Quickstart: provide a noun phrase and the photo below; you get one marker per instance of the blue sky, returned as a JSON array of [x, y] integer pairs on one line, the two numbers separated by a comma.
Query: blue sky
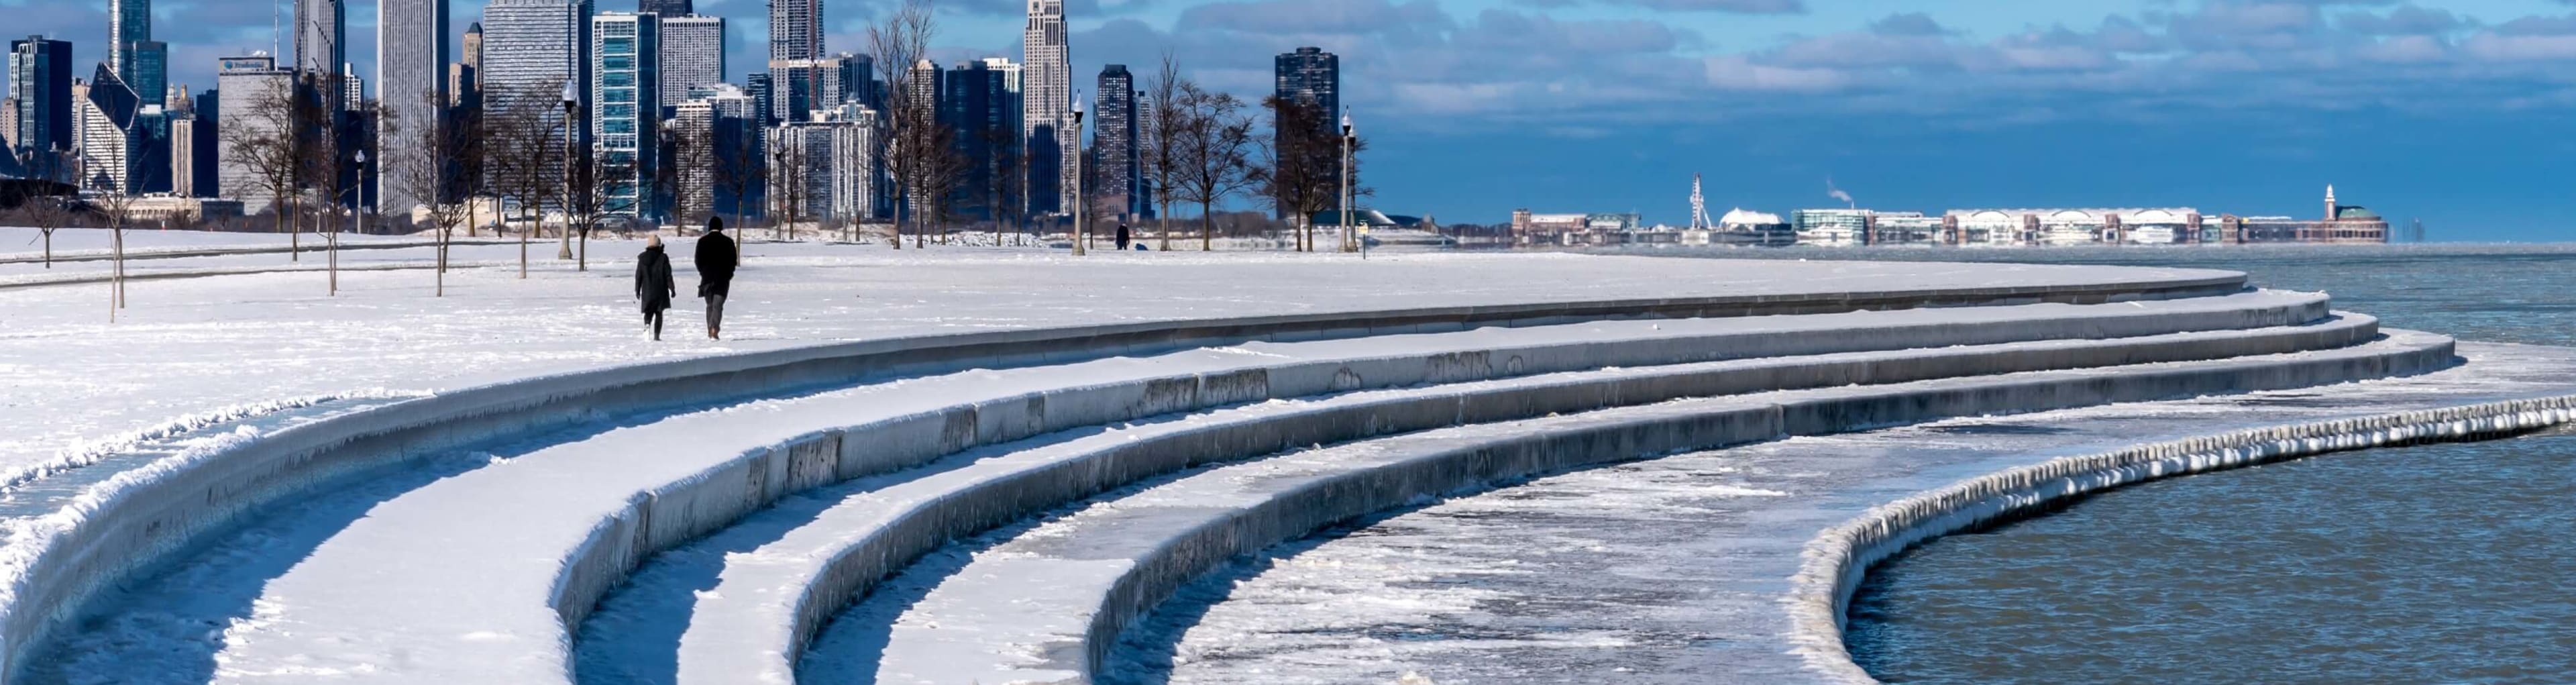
[[2453, 112]]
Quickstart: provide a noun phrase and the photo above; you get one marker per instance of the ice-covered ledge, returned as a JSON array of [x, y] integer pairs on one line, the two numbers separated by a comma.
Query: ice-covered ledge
[[1837, 560]]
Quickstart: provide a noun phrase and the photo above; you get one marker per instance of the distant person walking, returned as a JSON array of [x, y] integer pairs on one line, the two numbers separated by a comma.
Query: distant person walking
[[1122, 236], [653, 283], [716, 261]]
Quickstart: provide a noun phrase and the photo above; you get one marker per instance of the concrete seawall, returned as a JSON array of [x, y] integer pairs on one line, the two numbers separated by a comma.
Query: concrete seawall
[[118, 523], [1147, 551], [1838, 560]]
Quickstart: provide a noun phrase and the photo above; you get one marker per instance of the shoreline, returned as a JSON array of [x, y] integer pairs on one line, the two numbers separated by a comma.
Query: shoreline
[[1838, 559]]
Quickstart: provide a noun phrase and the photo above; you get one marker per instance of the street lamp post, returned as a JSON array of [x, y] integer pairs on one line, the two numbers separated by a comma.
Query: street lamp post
[[572, 135], [1081, 205], [1350, 236]]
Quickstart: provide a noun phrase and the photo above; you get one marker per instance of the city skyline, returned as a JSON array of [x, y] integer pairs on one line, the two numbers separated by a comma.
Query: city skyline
[[1787, 99]]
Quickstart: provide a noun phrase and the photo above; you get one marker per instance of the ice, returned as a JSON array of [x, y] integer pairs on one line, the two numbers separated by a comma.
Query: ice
[[1455, 590]]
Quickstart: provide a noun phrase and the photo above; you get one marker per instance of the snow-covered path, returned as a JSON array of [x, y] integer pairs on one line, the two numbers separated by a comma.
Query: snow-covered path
[[1669, 570]]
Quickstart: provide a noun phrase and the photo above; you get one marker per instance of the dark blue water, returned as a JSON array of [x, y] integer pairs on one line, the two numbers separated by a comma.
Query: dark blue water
[[2434, 564]]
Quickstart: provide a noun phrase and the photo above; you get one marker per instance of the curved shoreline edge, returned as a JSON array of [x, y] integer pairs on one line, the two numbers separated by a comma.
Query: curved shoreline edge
[[91, 528], [1836, 561]]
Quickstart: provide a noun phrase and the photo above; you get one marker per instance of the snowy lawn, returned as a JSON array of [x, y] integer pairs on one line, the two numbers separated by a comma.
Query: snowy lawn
[[196, 345]]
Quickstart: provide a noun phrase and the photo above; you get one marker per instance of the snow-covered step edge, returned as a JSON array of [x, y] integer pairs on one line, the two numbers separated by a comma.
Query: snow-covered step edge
[[737, 633], [684, 510], [1060, 620], [129, 519], [1837, 560]]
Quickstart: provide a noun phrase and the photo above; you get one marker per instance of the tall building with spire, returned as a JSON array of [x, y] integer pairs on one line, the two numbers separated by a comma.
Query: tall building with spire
[[411, 80], [1054, 147]]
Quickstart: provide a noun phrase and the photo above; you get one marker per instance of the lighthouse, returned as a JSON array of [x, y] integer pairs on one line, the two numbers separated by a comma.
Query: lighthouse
[[2330, 202]]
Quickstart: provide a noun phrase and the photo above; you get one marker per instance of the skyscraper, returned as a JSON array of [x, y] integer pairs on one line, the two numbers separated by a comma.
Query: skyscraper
[[859, 80], [411, 81], [981, 102], [1313, 75], [246, 84], [763, 89], [1054, 148], [626, 112], [530, 52], [104, 112], [804, 86], [471, 52], [795, 41], [693, 53], [40, 79], [129, 24], [1113, 141], [321, 36], [150, 75], [666, 8]]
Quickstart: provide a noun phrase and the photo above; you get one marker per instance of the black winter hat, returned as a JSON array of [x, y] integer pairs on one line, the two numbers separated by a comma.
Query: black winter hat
[[715, 223]]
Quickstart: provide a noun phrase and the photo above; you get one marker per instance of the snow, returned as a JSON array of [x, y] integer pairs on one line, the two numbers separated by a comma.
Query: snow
[[1674, 569], [233, 337], [787, 568], [1028, 610], [478, 548], [245, 339]]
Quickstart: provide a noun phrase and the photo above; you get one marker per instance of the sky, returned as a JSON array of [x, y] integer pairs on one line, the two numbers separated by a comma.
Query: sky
[[2453, 113]]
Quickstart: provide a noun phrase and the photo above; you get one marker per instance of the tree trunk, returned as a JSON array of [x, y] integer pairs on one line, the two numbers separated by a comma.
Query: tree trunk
[[523, 246], [49, 248], [1207, 227]]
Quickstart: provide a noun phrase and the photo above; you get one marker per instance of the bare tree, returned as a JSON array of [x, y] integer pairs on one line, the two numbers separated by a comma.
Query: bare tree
[[437, 176], [118, 206], [693, 162], [742, 171], [262, 138], [1303, 175], [1215, 147], [1162, 166], [47, 213], [910, 121], [1007, 170], [525, 132], [470, 137], [792, 174], [321, 163]]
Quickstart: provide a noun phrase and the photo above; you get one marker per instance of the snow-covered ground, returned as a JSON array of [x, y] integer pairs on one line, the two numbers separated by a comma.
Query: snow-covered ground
[[194, 346], [1669, 570]]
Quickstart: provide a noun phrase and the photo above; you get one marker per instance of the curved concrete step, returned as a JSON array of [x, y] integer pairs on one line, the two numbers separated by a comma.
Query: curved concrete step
[[612, 497], [777, 591], [1049, 605], [101, 527]]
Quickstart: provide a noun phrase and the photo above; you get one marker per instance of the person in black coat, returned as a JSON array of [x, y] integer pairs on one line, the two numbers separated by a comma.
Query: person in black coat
[[653, 283], [1122, 236], [716, 261]]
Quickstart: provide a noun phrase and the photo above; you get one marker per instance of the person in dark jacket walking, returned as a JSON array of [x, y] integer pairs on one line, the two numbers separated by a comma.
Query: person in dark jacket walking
[[1122, 236], [716, 261], [653, 283]]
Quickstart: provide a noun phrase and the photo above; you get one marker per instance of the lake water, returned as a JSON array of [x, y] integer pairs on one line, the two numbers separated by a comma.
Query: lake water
[[2433, 564]]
